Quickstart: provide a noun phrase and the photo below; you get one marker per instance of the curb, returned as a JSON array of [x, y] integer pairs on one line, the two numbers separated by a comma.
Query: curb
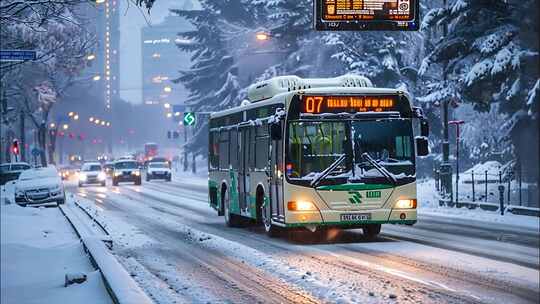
[[119, 284]]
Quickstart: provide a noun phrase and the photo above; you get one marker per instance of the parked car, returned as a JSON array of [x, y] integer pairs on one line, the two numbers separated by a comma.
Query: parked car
[[158, 170], [92, 173], [11, 171], [39, 186], [126, 171]]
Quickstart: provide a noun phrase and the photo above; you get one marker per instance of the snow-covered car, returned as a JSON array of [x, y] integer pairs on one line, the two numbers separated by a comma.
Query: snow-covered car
[[158, 170], [92, 173], [11, 171], [108, 168], [126, 171], [39, 186]]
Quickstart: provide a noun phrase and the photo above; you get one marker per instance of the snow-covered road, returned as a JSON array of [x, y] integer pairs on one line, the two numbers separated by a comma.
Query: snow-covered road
[[179, 250]]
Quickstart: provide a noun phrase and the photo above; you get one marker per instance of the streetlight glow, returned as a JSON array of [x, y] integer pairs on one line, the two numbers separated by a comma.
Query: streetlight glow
[[97, 121], [169, 115], [167, 89], [102, 122], [70, 114], [65, 126], [76, 117], [52, 125], [96, 78], [167, 105], [108, 124], [261, 36], [91, 119], [90, 57]]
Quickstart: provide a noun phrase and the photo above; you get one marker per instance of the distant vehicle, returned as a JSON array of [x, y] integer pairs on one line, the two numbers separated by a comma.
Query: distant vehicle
[[66, 172], [11, 171], [150, 151], [39, 186], [92, 173], [158, 170], [317, 153], [109, 168], [126, 171], [157, 159]]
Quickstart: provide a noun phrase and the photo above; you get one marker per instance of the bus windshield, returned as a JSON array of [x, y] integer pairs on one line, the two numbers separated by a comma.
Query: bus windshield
[[313, 146]]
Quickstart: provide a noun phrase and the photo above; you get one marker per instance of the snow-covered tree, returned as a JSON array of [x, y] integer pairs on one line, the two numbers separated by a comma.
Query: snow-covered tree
[[489, 57]]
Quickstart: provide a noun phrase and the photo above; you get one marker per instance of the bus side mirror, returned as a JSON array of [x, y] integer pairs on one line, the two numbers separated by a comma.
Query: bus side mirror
[[424, 128], [422, 147], [275, 131]]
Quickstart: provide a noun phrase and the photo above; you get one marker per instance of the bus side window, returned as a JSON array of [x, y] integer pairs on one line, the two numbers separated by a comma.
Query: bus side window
[[262, 146], [214, 150], [224, 150], [251, 159], [234, 148]]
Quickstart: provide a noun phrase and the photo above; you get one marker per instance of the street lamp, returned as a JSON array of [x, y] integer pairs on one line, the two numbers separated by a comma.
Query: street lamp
[[169, 115], [90, 57], [97, 121], [457, 123], [70, 114], [96, 78], [91, 119], [167, 105], [65, 126], [262, 36], [108, 124], [76, 117], [167, 89], [102, 122], [52, 125]]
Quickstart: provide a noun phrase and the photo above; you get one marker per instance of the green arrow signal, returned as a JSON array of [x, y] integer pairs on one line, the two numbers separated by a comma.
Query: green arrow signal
[[189, 118]]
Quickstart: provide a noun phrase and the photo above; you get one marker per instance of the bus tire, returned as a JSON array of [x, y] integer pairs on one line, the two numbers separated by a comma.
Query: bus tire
[[231, 220], [371, 231]]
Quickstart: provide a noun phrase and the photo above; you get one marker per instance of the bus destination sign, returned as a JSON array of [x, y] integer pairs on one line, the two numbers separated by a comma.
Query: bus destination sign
[[348, 104], [366, 15]]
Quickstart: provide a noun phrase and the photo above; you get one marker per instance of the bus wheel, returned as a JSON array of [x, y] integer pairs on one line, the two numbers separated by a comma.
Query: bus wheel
[[271, 230], [371, 231], [231, 220]]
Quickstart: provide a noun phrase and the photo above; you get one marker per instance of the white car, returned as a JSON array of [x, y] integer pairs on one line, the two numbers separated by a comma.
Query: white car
[[158, 170], [39, 186], [92, 173]]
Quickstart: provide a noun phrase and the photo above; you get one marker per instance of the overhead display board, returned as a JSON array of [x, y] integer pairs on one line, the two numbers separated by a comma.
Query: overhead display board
[[366, 15]]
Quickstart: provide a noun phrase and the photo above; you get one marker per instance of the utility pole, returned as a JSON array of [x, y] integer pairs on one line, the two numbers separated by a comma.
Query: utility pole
[[446, 167], [22, 137]]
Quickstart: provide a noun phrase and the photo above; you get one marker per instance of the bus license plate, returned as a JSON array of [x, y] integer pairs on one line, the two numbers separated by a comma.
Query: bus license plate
[[356, 217]]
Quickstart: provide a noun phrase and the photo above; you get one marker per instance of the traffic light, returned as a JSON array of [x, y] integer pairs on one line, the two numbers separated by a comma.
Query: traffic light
[[15, 147]]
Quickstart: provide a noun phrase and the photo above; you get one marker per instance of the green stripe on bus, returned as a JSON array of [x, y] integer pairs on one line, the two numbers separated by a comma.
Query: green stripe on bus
[[354, 187]]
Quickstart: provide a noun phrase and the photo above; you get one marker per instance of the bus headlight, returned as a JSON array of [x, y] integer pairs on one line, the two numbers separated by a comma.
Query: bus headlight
[[405, 204], [301, 206]]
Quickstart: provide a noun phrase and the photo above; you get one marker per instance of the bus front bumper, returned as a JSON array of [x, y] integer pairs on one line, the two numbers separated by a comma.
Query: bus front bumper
[[351, 219]]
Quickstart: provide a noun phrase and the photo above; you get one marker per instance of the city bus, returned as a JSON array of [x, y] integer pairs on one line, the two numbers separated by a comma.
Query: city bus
[[317, 153]]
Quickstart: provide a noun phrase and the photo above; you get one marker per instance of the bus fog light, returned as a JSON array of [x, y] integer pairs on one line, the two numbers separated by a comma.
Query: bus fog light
[[406, 204], [301, 206]]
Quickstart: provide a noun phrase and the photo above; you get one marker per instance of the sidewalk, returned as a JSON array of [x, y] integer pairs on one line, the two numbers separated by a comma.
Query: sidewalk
[[38, 248]]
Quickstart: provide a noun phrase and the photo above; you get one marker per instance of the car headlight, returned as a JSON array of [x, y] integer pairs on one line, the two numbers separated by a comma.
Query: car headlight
[[405, 204], [55, 190], [82, 177], [101, 176], [117, 173], [136, 173], [301, 206]]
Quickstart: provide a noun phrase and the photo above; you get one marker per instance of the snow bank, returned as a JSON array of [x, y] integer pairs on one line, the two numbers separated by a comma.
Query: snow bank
[[38, 247], [428, 206]]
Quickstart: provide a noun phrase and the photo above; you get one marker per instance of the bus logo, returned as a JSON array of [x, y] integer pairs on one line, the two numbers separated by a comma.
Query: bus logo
[[356, 198]]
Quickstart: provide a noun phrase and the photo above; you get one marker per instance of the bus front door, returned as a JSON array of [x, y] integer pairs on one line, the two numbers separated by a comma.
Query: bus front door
[[276, 180]]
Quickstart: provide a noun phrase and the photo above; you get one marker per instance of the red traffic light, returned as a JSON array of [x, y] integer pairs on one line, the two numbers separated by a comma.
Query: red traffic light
[[15, 147]]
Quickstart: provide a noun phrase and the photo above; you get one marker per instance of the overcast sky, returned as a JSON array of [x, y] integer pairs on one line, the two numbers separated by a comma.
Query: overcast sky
[[131, 22]]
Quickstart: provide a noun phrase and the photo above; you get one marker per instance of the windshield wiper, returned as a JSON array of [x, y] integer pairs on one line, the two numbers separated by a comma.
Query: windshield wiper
[[387, 174], [315, 182]]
